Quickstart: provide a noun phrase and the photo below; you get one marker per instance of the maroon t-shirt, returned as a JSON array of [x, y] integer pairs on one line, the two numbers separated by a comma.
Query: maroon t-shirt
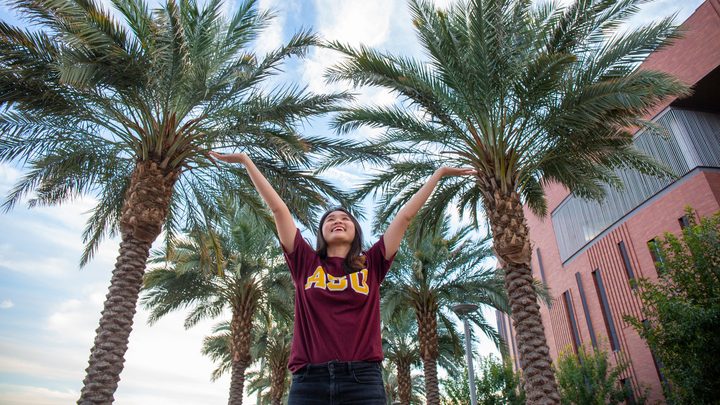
[[337, 315]]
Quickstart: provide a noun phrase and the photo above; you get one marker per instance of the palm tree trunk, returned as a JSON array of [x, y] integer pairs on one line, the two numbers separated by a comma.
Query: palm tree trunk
[[278, 354], [277, 384], [404, 382], [237, 382], [107, 356], [241, 329], [143, 213], [426, 313], [512, 246], [432, 392]]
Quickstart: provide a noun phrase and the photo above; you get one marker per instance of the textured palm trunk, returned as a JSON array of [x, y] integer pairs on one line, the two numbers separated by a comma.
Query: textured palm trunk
[[277, 384], [404, 382], [278, 370], [426, 313], [241, 329], [237, 383], [512, 245], [143, 214], [432, 396]]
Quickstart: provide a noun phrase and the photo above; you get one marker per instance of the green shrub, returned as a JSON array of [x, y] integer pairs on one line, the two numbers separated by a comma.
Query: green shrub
[[682, 311]]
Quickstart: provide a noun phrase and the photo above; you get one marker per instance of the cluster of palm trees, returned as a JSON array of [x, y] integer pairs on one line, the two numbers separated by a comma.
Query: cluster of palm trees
[[237, 271], [127, 111]]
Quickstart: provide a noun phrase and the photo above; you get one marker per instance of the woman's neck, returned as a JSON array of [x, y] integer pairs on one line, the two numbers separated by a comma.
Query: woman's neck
[[341, 250]]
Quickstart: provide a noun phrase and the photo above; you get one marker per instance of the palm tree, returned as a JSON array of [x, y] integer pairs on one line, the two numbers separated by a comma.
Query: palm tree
[[273, 346], [431, 272], [392, 388], [253, 275], [128, 111], [401, 349], [259, 384], [271, 349], [526, 95]]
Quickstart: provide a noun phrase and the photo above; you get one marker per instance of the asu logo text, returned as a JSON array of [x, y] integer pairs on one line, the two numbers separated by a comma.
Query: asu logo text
[[320, 279]]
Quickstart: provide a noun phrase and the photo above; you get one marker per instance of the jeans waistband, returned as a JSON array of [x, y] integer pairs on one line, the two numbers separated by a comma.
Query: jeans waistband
[[337, 367]]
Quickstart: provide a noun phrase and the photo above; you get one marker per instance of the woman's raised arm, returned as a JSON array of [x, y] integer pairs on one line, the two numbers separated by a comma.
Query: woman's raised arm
[[396, 230], [283, 219]]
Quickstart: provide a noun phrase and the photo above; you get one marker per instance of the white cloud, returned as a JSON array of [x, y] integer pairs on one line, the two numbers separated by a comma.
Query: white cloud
[[6, 304], [271, 37], [75, 319], [29, 395], [355, 21], [163, 362], [8, 177], [54, 267]]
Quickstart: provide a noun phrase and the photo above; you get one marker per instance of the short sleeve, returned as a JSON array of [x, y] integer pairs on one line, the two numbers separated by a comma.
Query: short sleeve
[[302, 256], [376, 259]]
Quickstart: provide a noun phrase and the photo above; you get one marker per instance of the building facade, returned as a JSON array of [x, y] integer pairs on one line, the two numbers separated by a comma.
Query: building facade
[[589, 252]]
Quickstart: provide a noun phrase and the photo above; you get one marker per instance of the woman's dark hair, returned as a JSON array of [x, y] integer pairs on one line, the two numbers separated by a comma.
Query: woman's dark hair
[[355, 260]]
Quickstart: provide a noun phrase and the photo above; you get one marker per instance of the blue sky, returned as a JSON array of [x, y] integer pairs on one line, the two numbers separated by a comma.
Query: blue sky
[[49, 308]]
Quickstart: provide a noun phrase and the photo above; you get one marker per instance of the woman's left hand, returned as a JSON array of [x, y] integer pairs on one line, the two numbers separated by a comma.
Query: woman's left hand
[[456, 171]]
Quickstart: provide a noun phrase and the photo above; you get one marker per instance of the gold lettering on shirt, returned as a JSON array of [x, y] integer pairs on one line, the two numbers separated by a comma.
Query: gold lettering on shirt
[[358, 286], [317, 280], [336, 283], [320, 279]]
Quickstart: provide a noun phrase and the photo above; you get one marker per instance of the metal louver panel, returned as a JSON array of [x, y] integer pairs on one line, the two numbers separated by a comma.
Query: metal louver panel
[[692, 140]]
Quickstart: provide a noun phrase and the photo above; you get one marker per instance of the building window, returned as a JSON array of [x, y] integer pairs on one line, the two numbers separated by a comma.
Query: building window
[[656, 361], [629, 394], [540, 264], [684, 221], [655, 253], [605, 307], [570, 312], [583, 301], [626, 263]]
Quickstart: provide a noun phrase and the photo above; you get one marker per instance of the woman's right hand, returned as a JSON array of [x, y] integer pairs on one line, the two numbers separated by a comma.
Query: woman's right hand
[[230, 157]]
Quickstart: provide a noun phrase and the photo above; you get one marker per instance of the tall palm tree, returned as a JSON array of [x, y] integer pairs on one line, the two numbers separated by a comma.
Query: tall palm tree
[[128, 111], [252, 276], [390, 380], [273, 346], [527, 95], [433, 271], [270, 351], [401, 349]]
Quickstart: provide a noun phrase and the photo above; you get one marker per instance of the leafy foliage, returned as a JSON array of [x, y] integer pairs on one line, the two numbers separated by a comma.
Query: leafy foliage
[[496, 384], [526, 94], [446, 267], [417, 391], [588, 378], [215, 268], [84, 97], [682, 310]]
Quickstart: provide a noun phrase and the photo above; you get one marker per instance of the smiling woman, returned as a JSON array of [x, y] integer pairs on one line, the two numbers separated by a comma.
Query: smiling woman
[[339, 235], [336, 349]]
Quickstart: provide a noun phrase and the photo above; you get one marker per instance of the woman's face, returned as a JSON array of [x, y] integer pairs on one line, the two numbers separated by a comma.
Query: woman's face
[[338, 228]]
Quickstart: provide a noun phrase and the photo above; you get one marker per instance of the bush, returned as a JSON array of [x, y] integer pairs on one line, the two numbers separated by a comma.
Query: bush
[[682, 311], [589, 379], [499, 385]]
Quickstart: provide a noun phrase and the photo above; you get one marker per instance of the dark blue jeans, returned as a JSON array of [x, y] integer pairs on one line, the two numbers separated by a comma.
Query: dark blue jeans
[[336, 383]]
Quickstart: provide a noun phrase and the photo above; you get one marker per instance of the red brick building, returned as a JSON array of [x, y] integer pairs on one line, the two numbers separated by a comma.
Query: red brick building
[[588, 252]]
